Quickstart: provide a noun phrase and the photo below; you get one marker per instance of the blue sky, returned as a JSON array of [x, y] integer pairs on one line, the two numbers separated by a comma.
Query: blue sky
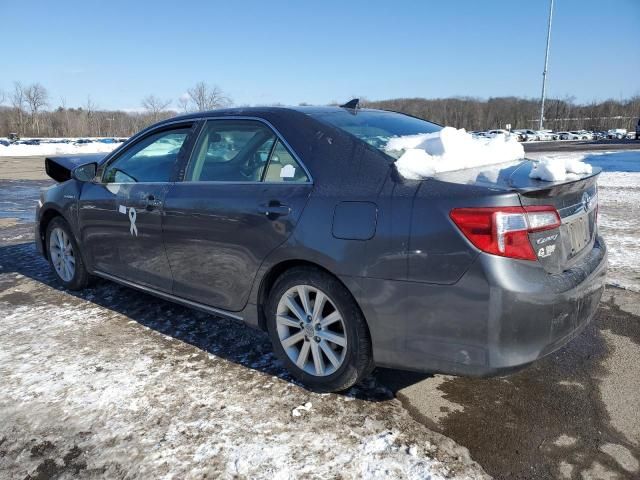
[[318, 52]]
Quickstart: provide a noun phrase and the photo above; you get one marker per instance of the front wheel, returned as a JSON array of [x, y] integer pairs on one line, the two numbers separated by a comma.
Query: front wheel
[[318, 331], [64, 255]]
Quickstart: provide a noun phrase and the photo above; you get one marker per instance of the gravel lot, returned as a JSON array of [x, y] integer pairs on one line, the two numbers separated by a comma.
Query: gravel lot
[[112, 382]]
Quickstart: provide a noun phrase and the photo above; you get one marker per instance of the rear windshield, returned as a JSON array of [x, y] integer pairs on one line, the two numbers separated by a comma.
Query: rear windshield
[[376, 127]]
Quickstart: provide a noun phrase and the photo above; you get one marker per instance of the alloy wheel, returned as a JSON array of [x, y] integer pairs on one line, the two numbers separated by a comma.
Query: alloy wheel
[[311, 330], [61, 254]]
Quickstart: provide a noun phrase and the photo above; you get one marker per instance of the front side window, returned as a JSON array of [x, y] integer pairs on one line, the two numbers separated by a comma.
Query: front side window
[[231, 151], [150, 160]]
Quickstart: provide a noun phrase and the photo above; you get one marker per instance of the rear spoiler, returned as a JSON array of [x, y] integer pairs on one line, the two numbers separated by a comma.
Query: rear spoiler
[[59, 168]]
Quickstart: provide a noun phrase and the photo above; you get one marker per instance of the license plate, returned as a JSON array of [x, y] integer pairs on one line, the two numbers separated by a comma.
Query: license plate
[[579, 233]]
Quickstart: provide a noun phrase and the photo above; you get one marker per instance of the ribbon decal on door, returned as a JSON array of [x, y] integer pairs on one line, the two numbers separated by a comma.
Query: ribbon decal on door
[[132, 214], [132, 219]]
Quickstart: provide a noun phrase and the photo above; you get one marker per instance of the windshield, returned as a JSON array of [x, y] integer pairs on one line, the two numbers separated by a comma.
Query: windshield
[[375, 127]]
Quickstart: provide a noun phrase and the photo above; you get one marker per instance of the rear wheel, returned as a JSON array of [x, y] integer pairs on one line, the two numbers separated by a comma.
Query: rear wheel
[[318, 331], [64, 255]]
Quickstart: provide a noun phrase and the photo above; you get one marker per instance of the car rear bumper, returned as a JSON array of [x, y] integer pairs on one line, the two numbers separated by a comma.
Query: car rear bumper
[[501, 315]]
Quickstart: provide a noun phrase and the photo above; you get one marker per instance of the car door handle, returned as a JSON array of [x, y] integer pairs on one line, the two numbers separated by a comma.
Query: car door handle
[[274, 209], [151, 202]]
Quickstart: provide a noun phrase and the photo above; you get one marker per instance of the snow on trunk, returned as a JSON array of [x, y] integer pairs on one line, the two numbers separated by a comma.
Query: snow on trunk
[[560, 168], [426, 154]]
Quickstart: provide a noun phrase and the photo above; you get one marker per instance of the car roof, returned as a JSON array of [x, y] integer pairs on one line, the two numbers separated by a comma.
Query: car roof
[[266, 110]]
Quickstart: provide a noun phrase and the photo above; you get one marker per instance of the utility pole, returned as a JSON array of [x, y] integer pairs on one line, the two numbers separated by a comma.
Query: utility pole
[[546, 62]]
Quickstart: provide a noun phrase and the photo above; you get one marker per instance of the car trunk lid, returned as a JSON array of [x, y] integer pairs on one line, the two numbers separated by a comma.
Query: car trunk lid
[[576, 201]]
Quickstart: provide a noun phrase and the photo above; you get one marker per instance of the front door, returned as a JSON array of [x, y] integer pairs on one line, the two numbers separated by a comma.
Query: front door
[[242, 196], [120, 217]]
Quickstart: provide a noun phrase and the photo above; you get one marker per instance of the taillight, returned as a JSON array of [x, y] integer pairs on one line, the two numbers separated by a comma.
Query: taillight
[[505, 231]]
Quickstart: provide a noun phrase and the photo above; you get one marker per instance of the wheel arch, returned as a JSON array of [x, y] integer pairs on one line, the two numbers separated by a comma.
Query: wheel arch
[[271, 276], [45, 219]]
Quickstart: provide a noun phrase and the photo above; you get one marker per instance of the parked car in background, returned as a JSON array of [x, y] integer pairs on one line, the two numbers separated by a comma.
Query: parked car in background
[[545, 135], [586, 134], [499, 131], [580, 134], [617, 133], [638, 130], [82, 141], [478, 133], [527, 134], [5, 143], [599, 135], [568, 136], [296, 221], [31, 141]]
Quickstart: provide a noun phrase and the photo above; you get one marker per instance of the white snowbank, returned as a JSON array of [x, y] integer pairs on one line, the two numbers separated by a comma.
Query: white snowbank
[[560, 168], [426, 154], [46, 149]]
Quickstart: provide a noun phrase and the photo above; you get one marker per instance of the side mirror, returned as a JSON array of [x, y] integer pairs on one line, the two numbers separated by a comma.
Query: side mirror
[[85, 173]]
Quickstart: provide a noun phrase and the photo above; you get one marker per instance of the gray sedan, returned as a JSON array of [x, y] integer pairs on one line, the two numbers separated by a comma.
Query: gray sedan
[[296, 221]]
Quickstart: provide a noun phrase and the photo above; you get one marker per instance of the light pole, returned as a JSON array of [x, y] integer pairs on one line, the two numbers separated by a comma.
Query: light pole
[[546, 62]]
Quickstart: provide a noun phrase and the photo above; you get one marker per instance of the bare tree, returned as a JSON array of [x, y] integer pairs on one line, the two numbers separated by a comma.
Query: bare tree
[[90, 112], [18, 104], [206, 97], [155, 106], [3, 97], [183, 102], [36, 97]]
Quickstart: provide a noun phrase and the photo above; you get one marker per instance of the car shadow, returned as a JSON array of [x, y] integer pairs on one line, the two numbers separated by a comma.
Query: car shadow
[[229, 339]]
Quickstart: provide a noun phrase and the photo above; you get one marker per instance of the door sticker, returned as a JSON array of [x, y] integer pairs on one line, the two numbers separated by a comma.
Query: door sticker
[[132, 218]]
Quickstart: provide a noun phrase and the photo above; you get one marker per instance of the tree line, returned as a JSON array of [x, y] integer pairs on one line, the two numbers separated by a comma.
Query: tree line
[[29, 111], [477, 114]]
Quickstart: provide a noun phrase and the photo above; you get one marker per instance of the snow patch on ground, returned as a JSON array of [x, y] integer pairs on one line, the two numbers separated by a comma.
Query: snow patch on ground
[[115, 383], [560, 168], [49, 149], [423, 155], [619, 224]]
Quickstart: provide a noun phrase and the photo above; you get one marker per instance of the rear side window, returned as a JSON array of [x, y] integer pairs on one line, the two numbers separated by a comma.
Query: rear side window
[[151, 160], [231, 151], [283, 167], [375, 127]]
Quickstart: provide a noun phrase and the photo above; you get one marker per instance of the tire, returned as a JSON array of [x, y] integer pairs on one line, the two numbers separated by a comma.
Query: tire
[[71, 273], [335, 355]]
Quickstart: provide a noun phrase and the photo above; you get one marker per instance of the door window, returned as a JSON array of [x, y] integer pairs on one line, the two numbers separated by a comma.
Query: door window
[[231, 151], [283, 167], [150, 160]]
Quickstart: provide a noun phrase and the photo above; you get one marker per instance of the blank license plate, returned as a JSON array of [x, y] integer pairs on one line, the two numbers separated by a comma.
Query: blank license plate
[[579, 233]]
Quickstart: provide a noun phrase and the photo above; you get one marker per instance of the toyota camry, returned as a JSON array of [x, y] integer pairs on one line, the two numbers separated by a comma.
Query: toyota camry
[[296, 221]]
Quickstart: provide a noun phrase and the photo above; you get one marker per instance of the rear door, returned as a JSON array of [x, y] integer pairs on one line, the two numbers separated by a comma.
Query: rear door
[[242, 194], [120, 217]]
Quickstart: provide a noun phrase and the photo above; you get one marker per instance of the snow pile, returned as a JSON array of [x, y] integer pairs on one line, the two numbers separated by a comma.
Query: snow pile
[[560, 168], [426, 154], [48, 149]]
